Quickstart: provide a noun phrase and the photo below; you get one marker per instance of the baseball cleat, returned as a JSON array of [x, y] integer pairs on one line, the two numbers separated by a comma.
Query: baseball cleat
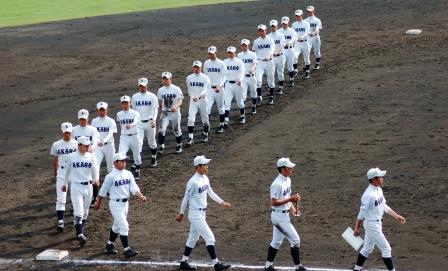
[[271, 101], [82, 240], [137, 175], [221, 266], [220, 130], [184, 265], [291, 82], [295, 73], [307, 75], [130, 253], [259, 100], [254, 110], [153, 162], [60, 227], [110, 249], [205, 137], [161, 149], [179, 149], [133, 168], [280, 91], [226, 124], [270, 268], [317, 67], [242, 120], [190, 142]]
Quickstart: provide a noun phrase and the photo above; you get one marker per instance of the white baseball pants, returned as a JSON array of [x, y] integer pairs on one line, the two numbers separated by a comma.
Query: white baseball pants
[[213, 97], [144, 128], [289, 57], [233, 90], [249, 84], [375, 236], [314, 43], [81, 196], [302, 48], [267, 67], [61, 197], [130, 142], [172, 118], [106, 152], [200, 107], [119, 211], [279, 62], [283, 228], [199, 227]]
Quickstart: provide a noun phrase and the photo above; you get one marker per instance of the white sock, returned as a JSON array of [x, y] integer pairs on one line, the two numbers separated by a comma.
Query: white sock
[[215, 261], [357, 267], [185, 258], [109, 242], [127, 248], [60, 221], [268, 264]]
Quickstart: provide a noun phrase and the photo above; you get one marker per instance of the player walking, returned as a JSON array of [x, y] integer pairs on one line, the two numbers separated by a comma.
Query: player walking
[[146, 104], [264, 48], [235, 75], [129, 137], [282, 204], [59, 151], [119, 185], [302, 28], [81, 171], [290, 39], [373, 206], [198, 187], [197, 84], [314, 38], [278, 57], [249, 83], [170, 99]]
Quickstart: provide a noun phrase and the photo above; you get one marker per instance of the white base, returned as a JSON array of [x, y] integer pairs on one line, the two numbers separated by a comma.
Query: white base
[[413, 32], [355, 241], [52, 255]]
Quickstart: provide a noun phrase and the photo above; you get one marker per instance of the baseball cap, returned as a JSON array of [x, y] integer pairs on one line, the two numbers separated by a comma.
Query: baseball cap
[[231, 49], [83, 114], [273, 23], [298, 12], [143, 81], [262, 27], [375, 172], [245, 41], [197, 63], [119, 156], [309, 8], [101, 105], [125, 98], [84, 140], [285, 20], [167, 75], [212, 50], [201, 160], [285, 162], [66, 127]]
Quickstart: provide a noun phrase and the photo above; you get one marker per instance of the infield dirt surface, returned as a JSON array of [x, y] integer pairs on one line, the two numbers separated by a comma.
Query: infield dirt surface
[[380, 99]]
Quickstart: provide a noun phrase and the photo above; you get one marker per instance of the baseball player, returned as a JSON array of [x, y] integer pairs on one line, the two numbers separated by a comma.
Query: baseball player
[[235, 75], [119, 185], [106, 128], [302, 28], [81, 170], [282, 204], [84, 129], [198, 187], [147, 105], [170, 99], [373, 206], [216, 70], [278, 56], [290, 39], [198, 85], [264, 48], [129, 137], [59, 151], [314, 38], [249, 59]]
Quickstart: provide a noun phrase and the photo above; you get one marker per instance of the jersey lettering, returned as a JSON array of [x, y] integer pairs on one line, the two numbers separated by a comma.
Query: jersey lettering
[[196, 84], [264, 46], [81, 165], [90, 137], [313, 25], [277, 41], [379, 201], [142, 103], [300, 29], [248, 60], [65, 151], [203, 189], [213, 69], [233, 68], [126, 121], [103, 129], [122, 182], [286, 191]]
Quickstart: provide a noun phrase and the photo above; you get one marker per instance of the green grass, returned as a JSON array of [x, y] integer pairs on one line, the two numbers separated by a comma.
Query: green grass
[[21, 12]]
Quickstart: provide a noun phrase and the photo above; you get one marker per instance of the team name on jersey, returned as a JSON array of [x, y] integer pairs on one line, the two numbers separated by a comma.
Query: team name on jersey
[[379, 201], [126, 121], [196, 84], [81, 165], [288, 37], [300, 29], [122, 182], [248, 60], [103, 129], [167, 96], [142, 103], [233, 68], [286, 191], [203, 189], [65, 151], [213, 69], [313, 24], [264, 46], [76, 137], [277, 41]]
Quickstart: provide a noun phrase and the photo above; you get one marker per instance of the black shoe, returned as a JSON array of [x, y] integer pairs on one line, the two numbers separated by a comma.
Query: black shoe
[[270, 268], [242, 120], [130, 253], [259, 100], [190, 142], [221, 266], [280, 91], [271, 100], [291, 82], [133, 168], [220, 130], [317, 67], [110, 249], [301, 268], [307, 75], [254, 110], [153, 162], [295, 73], [184, 265], [137, 174], [205, 137], [82, 240], [60, 227], [161, 149], [179, 149]]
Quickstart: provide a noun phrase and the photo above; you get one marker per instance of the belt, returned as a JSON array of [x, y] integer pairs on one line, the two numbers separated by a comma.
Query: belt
[[289, 47], [249, 75], [214, 86], [278, 55], [122, 200], [301, 40], [144, 121], [62, 167], [129, 134], [231, 82], [85, 183], [265, 59], [282, 211], [202, 209]]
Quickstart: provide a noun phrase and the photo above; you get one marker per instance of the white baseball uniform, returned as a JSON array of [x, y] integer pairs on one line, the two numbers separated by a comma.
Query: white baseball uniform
[[235, 75], [249, 59], [106, 128], [198, 86], [119, 184], [198, 187], [170, 95], [373, 206], [264, 48], [290, 39], [281, 189], [302, 46], [147, 105], [129, 138], [88, 131], [278, 56], [314, 41], [61, 149], [216, 70]]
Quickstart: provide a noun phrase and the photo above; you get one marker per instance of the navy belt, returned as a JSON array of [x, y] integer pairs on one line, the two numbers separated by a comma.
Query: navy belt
[[302, 40], [249, 75], [122, 200], [265, 59], [202, 209], [214, 86], [282, 211], [130, 134], [289, 47], [144, 120], [86, 183], [278, 55], [231, 82], [62, 167]]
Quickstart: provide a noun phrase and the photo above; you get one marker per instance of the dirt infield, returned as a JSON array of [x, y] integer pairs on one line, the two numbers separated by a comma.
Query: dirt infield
[[380, 99]]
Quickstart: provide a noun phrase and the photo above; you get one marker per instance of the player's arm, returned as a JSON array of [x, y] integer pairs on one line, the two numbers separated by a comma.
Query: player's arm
[[103, 191], [135, 190], [183, 206], [154, 111], [253, 69], [67, 169], [223, 74], [55, 165], [400, 219], [365, 205], [216, 198], [206, 87], [95, 171], [241, 71]]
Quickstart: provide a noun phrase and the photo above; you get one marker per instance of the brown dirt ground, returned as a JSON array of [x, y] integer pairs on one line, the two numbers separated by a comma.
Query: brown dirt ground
[[379, 100]]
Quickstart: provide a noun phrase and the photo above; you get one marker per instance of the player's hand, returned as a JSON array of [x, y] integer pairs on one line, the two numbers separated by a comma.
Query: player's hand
[[64, 188], [226, 204], [295, 198], [238, 82], [357, 231], [400, 219], [180, 217], [195, 99], [173, 109], [217, 89], [128, 126], [143, 198], [153, 124], [97, 205]]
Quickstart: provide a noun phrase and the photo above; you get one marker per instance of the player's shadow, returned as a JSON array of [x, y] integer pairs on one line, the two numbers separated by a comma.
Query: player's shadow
[[33, 250], [27, 234]]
